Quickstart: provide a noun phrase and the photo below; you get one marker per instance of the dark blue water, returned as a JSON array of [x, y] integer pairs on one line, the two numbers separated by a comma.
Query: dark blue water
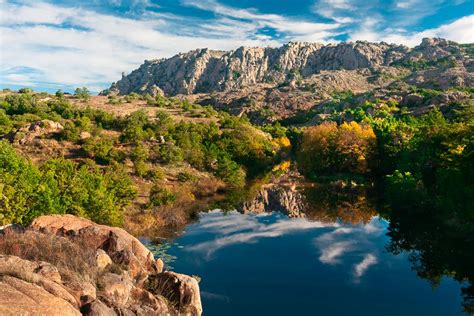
[[273, 265]]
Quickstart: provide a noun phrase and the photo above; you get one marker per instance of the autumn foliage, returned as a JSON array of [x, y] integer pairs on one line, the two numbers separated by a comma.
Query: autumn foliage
[[329, 147]]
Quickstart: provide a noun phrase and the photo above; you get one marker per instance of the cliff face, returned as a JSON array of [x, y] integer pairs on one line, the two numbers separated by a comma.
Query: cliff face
[[206, 71]]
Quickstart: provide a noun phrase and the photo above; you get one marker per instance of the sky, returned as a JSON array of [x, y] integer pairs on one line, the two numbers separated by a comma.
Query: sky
[[63, 44]]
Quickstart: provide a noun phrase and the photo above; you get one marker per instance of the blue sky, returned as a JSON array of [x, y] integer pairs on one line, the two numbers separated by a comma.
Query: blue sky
[[49, 45]]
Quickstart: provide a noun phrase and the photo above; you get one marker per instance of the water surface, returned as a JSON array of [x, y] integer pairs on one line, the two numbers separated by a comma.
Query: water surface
[[270, 264]]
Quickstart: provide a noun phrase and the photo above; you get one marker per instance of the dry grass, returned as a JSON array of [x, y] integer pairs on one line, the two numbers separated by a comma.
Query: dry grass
[[123, 109], [75, 261]]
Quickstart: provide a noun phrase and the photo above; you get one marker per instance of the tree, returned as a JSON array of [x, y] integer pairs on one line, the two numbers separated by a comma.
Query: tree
[[329, 148], [82, 93], [59, 94]]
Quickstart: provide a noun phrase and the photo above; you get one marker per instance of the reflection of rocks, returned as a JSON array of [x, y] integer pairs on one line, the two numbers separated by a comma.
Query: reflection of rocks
[[276, 198], [327, 203]]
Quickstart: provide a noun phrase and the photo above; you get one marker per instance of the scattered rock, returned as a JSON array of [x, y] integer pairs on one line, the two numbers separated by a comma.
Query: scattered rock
[[84, 135], [28, 133]]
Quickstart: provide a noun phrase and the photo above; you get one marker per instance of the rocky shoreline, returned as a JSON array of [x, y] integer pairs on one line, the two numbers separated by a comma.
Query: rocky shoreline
[[66, 265]]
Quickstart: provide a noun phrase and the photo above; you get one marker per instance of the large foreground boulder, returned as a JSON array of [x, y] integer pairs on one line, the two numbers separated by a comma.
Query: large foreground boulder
[[19, 297], [122, 247], [65, 265]]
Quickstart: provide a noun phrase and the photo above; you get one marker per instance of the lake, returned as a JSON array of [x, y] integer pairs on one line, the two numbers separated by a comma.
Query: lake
[[270, 264]]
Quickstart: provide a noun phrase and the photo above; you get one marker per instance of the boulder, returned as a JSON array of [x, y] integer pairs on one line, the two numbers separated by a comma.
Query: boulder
[[119, 245], [181, 290], [116, 287], [19, 297], [29, 287], [29, 132], [97, 308], [412, 100]]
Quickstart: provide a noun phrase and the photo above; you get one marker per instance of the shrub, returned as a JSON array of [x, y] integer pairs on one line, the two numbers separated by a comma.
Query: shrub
[[60, 186], [186, 177], [141, 168], [140, 153], [160, 196], [70, 132], [230, 172], [101, 149], [156, 174], [136, 127], [169, 153]]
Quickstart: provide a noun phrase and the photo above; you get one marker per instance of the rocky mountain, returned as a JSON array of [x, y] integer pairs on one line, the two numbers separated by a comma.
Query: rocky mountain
[[273, 84], [207, 71]]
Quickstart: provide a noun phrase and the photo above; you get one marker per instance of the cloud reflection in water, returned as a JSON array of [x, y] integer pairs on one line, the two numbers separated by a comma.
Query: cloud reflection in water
[[341, 240]]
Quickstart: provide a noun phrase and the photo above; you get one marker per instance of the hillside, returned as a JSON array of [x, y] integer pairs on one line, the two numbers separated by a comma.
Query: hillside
[[269, 84]]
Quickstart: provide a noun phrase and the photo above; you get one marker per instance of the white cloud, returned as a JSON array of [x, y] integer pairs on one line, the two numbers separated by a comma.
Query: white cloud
[[67, 46], [94, 48], [461, 31], [331, 253], [362, 267]]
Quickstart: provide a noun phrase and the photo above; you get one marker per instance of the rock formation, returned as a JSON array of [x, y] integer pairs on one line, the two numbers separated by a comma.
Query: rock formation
[[65, 265], [206, 71], [272, 84]]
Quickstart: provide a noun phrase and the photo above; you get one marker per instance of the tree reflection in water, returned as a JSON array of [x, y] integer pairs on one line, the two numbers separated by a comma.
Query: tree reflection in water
[[439, 243]]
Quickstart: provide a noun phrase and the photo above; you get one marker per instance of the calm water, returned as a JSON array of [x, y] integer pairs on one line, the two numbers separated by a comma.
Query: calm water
[[274, 265]]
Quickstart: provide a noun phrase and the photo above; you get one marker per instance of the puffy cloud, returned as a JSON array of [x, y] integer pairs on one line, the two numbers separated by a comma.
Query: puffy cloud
[[461, 31], [75, 45]]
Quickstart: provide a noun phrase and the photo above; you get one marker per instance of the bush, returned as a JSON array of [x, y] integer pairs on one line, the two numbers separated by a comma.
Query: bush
[[169, 153], [60, 186], [101, 149], [141, 168], [160, 196], [156, 174], [136, 127], [186, 177], [230, 172]]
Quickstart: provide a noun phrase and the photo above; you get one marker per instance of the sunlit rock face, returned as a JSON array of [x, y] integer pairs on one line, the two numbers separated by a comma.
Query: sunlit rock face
[[206, 70]]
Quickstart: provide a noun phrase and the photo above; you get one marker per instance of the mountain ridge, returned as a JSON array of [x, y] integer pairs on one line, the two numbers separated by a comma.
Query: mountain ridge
[[206, 71]]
